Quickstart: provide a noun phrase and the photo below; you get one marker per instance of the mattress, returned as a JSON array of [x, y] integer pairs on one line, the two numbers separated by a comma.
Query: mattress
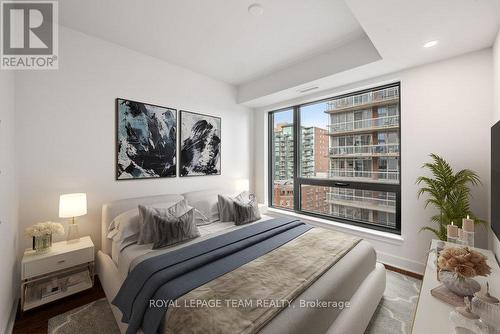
[[339, 283]]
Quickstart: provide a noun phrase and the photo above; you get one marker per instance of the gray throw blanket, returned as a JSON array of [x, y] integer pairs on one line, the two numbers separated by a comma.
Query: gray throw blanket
[[169, 276]]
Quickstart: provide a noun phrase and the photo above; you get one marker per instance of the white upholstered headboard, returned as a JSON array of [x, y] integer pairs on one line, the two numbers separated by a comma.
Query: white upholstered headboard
[[112, 209]]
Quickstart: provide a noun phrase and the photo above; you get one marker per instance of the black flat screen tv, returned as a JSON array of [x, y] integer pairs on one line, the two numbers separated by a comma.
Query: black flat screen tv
[[495, 179]]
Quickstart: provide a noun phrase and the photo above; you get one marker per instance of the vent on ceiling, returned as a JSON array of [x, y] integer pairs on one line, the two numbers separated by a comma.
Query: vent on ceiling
[[308, 89]]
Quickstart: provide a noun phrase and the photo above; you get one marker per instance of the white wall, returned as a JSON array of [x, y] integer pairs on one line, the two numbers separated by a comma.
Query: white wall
[[445, 109], [494, 242], [8, 201], [66, 126]]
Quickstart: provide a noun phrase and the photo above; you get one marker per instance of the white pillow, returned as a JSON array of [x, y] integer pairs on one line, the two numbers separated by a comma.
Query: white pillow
[[206, 202], [118, 246], [123, 230], [124, 225]]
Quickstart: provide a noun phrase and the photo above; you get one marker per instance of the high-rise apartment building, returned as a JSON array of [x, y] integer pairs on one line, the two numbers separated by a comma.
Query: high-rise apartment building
[[283, 152], [364, 147], [314, 163]]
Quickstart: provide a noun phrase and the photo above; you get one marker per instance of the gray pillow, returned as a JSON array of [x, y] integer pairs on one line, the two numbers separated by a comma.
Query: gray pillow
[[146, 214], [172, 230], [226, 205], [245, 213]]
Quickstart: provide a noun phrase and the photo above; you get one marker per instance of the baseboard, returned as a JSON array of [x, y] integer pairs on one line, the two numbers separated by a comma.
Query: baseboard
[[404, 272], [12, 319], [401, 263]]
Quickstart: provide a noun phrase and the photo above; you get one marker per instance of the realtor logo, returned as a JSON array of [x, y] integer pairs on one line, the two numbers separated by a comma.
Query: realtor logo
[[29, 35]]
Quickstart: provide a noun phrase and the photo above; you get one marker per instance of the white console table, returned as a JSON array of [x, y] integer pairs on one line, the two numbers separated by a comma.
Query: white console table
[[432, 315]]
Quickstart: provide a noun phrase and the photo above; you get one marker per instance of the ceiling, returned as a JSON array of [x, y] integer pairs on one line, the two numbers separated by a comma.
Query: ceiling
[[295, 44], [398, 29], [218, 38]]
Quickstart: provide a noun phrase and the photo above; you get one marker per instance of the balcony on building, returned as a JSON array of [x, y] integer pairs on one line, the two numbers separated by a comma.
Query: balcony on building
[[375, 150], [364, 201], [362, 101], [307, 154], [307, 149], [380, 176], [307, 131], [364, 125]]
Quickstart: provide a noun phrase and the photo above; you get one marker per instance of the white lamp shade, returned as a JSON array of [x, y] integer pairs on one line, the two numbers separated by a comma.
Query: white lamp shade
[[242, 185], [72, 205]]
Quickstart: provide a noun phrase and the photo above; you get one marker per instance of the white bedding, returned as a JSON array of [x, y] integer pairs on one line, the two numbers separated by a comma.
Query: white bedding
[[354, 276], [131, 255], [339, 283]]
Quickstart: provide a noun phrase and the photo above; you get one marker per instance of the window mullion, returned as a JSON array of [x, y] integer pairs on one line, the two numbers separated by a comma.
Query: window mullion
[[349, 184], [296, 158]]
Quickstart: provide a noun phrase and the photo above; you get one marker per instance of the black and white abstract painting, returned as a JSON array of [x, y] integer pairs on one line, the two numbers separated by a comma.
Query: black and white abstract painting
[[200, 144], [146, 140]]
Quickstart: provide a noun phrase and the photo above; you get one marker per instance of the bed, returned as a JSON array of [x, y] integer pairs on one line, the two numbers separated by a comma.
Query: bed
[[355, 277]]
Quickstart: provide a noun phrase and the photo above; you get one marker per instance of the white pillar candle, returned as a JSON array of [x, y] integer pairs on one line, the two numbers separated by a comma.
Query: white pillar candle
[[452, 232], [468, 227], [468, 224]]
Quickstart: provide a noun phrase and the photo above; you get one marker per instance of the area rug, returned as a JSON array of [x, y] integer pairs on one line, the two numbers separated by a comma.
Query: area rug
[[394, 314], [396, 310], [93, 318]]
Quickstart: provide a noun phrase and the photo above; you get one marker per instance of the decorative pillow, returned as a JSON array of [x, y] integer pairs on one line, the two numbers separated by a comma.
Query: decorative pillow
[[226, 205], [147, 213], [171, 230], [245, 213]]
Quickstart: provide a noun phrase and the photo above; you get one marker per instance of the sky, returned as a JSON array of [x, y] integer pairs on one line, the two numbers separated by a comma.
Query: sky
[[310, 115]]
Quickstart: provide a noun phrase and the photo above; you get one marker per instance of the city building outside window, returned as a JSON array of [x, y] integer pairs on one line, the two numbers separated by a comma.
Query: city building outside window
[[340, 158]]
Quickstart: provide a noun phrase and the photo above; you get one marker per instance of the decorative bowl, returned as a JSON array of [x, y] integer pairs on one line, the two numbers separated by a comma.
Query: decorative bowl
[[461, 286]]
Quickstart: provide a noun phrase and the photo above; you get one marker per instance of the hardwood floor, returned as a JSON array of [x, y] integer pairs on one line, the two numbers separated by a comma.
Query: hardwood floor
[[36, 321]]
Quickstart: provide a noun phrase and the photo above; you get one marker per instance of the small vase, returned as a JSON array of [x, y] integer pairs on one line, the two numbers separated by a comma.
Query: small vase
[[459, 285], [42, 243]]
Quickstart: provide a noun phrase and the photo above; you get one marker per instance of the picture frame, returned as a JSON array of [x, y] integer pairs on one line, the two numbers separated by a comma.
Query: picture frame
[[200, 144], [146, 140]]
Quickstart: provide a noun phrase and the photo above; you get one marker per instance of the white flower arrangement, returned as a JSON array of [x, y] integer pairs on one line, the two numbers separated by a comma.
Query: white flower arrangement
[[40, 229]]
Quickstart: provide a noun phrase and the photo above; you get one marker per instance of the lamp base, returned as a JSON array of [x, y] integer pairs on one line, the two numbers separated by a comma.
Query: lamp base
[[73, 235]]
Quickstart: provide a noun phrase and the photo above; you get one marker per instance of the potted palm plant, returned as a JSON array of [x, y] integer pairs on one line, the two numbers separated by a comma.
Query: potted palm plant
[[449, 193]]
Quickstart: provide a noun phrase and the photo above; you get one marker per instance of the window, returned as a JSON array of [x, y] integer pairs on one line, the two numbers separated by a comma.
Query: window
[[340, 158]]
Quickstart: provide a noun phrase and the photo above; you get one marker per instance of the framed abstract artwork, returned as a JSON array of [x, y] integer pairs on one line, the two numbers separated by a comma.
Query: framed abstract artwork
[[146, 140], [200, 144]]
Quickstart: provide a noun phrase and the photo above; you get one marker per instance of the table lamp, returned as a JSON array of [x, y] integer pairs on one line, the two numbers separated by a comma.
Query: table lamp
[[71, 206]]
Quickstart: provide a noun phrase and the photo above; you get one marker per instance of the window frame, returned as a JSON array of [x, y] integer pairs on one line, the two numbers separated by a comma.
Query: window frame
[[298, 180]]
